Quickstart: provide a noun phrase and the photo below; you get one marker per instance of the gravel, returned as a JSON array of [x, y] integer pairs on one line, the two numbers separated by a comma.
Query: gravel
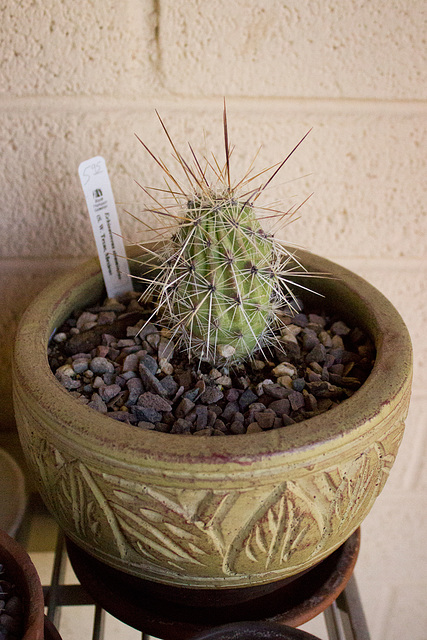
[[11, 609], [111, 360]]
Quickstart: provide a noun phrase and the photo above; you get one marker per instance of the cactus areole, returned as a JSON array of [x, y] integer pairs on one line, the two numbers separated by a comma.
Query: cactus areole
[[223, 280]]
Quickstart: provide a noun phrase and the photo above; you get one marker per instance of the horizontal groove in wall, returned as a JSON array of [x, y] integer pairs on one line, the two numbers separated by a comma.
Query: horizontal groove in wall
[[70, 104], [392, 264]]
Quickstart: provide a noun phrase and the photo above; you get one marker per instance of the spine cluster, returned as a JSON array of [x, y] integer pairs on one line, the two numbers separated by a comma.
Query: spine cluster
[[222, 280]]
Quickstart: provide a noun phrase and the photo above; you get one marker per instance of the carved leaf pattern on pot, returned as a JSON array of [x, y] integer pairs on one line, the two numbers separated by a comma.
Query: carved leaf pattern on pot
[[264, 529], [279, 524], [354, 486], [156, 525], [180, 526], [77, 499]]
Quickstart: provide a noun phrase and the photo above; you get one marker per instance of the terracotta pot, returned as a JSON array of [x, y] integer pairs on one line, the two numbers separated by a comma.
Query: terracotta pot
[[22, 572], [255, 631], [212, 513]]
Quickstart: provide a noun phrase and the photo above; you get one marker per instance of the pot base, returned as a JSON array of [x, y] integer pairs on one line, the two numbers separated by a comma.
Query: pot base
[[166, 612]]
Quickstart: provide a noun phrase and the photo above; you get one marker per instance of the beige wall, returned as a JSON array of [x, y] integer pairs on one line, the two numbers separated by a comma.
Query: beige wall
[[79, 78]]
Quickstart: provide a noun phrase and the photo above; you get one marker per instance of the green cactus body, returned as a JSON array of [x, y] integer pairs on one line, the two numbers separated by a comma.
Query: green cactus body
[[223, 263], [222, 279]]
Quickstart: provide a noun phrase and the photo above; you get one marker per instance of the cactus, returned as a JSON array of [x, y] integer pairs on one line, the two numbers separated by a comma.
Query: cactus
[[223, 280]]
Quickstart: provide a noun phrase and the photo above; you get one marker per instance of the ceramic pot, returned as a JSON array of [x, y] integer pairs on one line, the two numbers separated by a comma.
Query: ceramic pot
[[212, 513], [22, 572]]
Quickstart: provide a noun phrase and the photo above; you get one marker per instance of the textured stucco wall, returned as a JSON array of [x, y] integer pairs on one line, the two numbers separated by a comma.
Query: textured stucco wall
[[80, 78]]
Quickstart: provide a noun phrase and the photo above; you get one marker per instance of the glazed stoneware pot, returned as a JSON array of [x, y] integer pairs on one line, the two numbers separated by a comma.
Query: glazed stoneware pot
[[21, 571], [212, 513]]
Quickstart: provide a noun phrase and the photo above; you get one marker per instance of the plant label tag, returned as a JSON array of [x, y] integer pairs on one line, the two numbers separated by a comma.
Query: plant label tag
[[105, 224]]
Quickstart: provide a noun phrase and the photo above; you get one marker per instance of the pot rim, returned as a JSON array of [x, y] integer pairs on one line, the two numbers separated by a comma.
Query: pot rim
[[24, 573], [356, 416]]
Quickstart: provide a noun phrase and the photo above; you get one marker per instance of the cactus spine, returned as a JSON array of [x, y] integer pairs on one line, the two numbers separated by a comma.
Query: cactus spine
[[223, 280]]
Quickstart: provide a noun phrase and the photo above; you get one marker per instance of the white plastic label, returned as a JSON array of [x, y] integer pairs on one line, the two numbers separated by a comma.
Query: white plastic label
[[105, 224]]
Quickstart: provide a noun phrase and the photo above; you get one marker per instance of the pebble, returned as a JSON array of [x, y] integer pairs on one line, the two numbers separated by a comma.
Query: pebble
[[133, 331], [165, 349], [211, 395], [169, 385], [224, 381], [123, 416], [226, 351], [290, 346], [313, 318], [296, 400], [310, 339], [130, 363], [146, 414], [258, 365], [11, 624], [219, 425], [108, 392], [325, 339], [135, 388], [66, 370], [192, 394], [298, 384], [149, 363], [101, 365], [284, 369], [80, 365], [253, 427], [165, 366], [97, 403], [259, 389], [13, 606], [86, 318], [202, 416], [146, 425], [154, 401], [153, 340], [98, 382], [184, 379], [11, 609], [237, 427], [133, 371], [310, 402], [60, 337], [244, 382], [337, 342], [291, 329], [184, 407], [211, 417], [232, 394], [265, 420], [276, 391], [125, 343], [146, 329], [106, 317], [204, 432], [280, 406], [285, 381], [317, 354], [247, 398], [67, 379], [181, 426], [340, 328], [150, 381]]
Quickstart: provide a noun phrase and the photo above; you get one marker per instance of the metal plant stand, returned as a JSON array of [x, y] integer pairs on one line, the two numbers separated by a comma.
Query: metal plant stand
[[344, 618]]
